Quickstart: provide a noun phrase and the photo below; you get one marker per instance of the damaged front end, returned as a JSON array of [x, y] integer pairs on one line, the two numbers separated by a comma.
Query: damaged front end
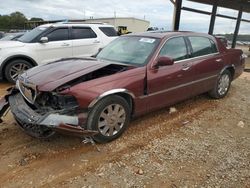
[[41, 114]]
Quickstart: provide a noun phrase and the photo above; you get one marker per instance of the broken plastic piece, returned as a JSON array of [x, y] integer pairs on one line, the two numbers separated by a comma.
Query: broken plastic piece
[[89, 139]]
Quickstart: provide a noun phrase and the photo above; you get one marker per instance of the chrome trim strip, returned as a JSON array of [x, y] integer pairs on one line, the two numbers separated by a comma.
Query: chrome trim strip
[[19, 88], [177, 87], [54, 120], [30, 100], [110, 92], [192, 58]]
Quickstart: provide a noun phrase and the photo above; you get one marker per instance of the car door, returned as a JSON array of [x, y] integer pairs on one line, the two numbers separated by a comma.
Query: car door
[[169, 84], [58, 46], [85, 42], [207, 63]]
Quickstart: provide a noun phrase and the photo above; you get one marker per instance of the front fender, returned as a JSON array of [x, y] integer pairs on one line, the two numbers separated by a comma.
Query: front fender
[[110, 92]]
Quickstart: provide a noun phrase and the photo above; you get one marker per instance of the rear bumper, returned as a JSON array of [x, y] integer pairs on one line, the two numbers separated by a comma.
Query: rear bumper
[[55, 120]]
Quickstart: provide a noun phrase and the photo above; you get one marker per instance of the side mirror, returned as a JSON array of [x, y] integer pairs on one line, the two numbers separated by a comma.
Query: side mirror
[[163, 61], [44, 40]]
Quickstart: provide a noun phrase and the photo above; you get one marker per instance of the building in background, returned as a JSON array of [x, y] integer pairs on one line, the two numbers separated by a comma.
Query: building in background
[[131, 24]]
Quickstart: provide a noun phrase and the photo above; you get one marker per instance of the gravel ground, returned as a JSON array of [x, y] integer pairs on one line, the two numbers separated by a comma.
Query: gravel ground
[[205, 143]]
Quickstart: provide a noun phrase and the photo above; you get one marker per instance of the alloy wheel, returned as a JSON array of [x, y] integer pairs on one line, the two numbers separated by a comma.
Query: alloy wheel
[[224, 84], [111, 120], [17, 69]]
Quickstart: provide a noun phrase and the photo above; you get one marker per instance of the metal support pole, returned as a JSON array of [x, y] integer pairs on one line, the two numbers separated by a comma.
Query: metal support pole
[[237, 28], [212, 19], [177, 14]]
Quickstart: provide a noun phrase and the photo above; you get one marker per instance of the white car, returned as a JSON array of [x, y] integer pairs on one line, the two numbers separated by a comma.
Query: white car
[[51, 42]]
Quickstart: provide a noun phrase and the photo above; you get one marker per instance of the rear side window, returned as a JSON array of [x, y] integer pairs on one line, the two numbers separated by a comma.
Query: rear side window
[[83, 33], [109, 31], [175, 48], [202, 46], [59, 34]]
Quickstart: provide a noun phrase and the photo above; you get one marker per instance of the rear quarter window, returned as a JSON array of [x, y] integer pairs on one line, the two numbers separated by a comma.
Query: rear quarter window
[[109, 31], [202, 46]]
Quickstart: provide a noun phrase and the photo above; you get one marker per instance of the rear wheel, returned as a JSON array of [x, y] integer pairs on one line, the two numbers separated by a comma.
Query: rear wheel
[[37, 131], [222, 85], [16, 67], [110, 117]]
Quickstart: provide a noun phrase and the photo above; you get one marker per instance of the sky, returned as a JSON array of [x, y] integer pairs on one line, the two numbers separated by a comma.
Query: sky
[[158, 12]]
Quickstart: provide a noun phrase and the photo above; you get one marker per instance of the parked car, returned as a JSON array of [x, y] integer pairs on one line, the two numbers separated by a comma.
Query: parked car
[[135, 74], [12, 36], [51, 42]]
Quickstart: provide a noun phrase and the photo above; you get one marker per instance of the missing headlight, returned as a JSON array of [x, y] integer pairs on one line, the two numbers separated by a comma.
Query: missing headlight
[[56, 101]]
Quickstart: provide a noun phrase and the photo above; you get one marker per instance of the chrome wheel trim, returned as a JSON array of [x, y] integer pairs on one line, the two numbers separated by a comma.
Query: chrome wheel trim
[[224, 83], [111, 120], [17, 69]]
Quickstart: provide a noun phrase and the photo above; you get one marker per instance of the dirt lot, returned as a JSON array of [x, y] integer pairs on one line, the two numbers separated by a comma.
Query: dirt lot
[[206, 143]]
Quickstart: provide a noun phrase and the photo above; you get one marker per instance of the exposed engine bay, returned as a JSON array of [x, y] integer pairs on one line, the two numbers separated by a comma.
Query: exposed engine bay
[[105, 71]]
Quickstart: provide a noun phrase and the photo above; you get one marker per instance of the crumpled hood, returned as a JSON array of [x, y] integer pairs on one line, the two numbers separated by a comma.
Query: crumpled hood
[[52, 75], [11, 44]]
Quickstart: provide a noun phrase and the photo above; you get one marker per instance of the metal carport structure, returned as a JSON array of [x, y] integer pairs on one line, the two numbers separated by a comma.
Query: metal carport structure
[[240, 5]]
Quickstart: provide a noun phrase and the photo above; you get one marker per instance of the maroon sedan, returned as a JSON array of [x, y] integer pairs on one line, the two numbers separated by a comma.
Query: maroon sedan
[[133, 75]]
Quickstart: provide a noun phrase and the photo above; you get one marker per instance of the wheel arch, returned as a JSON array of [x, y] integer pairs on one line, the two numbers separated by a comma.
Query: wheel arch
[[12, 58], [124, 93], [230, 68]]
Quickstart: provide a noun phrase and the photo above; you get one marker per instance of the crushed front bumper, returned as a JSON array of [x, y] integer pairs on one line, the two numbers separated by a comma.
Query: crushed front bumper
[[55, 120]]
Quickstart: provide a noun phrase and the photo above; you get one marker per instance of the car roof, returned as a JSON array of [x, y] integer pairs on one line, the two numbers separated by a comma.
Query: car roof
[[168, 34]]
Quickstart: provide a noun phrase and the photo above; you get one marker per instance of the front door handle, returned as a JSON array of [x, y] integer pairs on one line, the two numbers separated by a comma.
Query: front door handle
[[185, 67], [218, 60], [65, 44], [96, 41]]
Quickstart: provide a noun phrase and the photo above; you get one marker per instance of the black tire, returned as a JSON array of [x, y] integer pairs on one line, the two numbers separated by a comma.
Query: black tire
[[215, 92], [95, 118], [13, 66], [36, 131]]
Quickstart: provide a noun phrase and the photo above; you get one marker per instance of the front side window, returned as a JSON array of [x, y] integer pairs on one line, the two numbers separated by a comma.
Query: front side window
[[83, 33], [175, 48], [58, 35], [201, 46]]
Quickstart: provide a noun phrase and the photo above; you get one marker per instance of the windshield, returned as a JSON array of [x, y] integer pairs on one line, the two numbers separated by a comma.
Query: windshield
[[29, 36], [129, 50]]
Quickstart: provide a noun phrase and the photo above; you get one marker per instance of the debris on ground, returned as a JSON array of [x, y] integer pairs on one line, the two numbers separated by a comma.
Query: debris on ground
[[172, 110], [241, 124]]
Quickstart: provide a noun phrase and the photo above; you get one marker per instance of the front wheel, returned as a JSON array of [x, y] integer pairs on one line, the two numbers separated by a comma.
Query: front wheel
[[16, 67], [222, 85], [110, 117]]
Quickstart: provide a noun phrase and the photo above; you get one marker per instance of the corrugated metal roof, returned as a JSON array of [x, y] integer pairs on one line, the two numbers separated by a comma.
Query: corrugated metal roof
[[231, 4]]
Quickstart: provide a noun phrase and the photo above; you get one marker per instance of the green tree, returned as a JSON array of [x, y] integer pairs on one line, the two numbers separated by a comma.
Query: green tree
[[36, 19], [15, 20]]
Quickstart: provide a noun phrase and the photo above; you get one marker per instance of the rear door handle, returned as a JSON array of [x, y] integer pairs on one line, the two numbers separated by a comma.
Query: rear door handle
[[65, 44]]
